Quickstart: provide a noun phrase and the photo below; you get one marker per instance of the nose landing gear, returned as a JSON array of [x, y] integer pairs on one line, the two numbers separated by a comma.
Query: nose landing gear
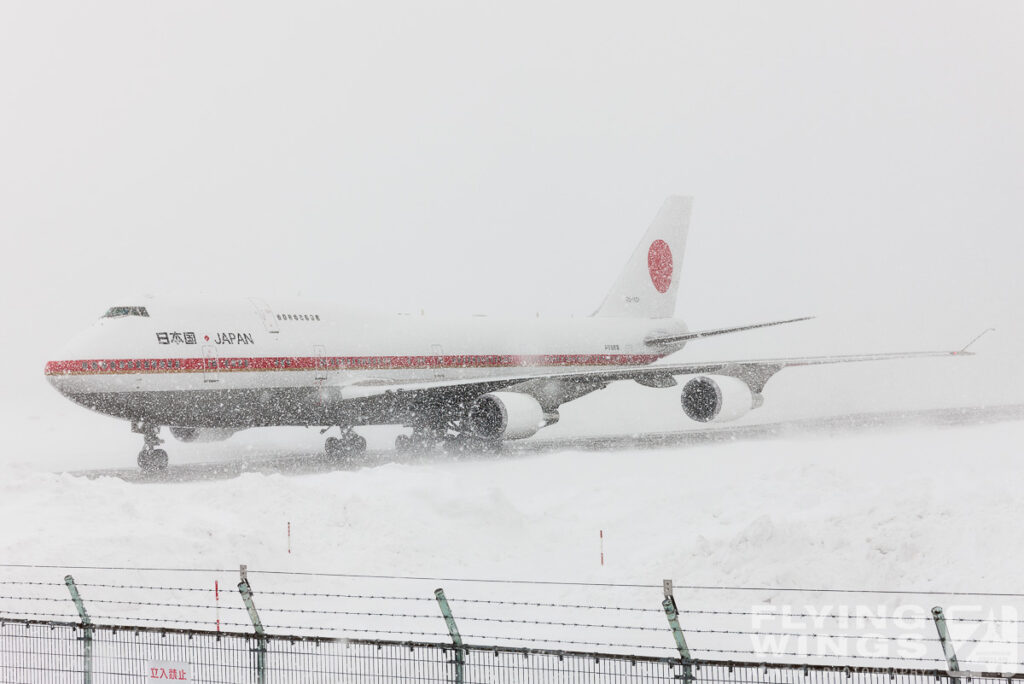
[[151, 459]]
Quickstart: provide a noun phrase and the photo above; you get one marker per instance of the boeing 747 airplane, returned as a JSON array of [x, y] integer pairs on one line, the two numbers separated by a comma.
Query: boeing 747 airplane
[[206, 370]]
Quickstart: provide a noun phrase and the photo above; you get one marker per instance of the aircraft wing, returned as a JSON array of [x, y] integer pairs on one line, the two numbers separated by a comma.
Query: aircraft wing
[[755, 373], [698, 334]]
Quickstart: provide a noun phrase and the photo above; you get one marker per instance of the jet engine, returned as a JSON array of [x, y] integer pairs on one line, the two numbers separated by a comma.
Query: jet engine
[[717, 398], [194, 434], [508, 415]]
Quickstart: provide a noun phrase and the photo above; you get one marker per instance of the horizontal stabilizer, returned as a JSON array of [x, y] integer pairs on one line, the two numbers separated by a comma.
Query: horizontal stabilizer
[[686, 337]]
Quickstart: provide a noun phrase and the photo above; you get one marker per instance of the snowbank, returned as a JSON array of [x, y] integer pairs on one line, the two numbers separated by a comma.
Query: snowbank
[[919, 509]]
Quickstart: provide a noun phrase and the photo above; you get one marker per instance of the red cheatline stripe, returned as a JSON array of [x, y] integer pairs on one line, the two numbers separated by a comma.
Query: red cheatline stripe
[[291, 363]]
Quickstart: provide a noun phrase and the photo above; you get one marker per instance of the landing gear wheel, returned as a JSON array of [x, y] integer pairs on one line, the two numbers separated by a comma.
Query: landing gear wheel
[[345, 448], [160, 457], [153, 460], [421, 442]]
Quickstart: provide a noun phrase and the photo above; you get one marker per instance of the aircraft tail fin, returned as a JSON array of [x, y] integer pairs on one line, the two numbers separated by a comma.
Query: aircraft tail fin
[[648, 286]]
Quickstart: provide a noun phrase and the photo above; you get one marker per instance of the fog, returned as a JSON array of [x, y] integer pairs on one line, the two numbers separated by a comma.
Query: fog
[[861, 162]]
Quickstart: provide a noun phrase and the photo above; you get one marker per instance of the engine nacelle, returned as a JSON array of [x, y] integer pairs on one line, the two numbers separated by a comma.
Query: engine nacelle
[[194, 434], [508, 415], [717, 398]]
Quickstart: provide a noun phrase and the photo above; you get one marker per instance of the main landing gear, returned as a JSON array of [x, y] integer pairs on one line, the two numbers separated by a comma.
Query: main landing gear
[[452, 440], [345, 448], [151, 459], [419, 440]]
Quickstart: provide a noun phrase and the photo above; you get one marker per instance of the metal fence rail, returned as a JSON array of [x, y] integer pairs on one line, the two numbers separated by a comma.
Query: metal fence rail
[[55, 652], [35, 651]]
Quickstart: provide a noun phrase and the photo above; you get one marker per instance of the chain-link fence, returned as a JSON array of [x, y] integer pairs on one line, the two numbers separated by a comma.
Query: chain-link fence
[[32, 651], [312, 627], [59, 652]]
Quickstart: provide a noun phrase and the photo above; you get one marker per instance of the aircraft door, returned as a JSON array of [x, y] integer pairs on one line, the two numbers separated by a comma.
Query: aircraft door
[[437, 352], [210, 363], [136, 378], [319, 363]]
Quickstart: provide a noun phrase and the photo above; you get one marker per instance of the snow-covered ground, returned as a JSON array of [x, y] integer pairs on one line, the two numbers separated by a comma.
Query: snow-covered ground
[[917, 508]]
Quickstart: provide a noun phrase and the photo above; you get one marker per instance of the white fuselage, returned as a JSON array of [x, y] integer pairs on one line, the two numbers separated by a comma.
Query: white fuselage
[[290, 363]]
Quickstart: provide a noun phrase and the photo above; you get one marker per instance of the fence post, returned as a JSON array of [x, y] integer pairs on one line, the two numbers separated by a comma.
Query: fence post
[[86, 629], [947, 643], [449, 619], [672, 613], [261, 634]]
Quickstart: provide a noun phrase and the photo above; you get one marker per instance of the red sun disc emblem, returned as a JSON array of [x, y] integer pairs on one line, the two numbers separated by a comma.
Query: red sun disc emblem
[[659, 264]]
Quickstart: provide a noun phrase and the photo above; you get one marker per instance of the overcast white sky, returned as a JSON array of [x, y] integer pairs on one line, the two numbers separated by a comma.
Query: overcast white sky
[[861, 161]]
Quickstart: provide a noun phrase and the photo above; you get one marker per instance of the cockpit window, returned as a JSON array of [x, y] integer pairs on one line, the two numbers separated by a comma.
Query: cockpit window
[[121, 311]]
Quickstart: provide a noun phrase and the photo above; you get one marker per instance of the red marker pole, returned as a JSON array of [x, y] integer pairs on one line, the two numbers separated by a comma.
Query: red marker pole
[[216, 598], [602, 548]]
